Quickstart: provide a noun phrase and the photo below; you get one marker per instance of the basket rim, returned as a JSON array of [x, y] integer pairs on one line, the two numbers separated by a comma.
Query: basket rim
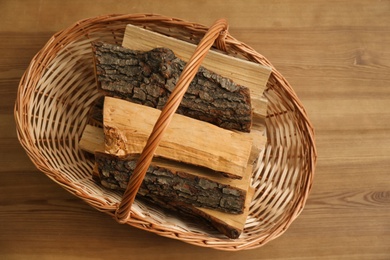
[[28, 144]]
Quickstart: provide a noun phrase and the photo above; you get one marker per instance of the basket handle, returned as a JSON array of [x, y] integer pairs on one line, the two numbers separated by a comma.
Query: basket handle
[[216, 33]]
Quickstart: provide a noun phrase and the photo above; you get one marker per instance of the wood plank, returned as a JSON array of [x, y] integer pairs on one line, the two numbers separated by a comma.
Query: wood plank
[[127, 127], [249, 74]]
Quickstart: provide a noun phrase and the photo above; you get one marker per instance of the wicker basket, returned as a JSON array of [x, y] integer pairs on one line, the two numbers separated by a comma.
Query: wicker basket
[[58, 89]]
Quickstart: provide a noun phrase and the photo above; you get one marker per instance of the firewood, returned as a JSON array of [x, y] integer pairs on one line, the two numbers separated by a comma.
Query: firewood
[[179, 183], [258, 132], [168, 179], [92, 139], [148, 78], [127, 127], [231, 225], [249, 74]]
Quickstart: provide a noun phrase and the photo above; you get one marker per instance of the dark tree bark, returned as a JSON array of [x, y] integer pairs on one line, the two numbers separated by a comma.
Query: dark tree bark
[[170, 184], [95, 116], [148, 78], [197, 215]]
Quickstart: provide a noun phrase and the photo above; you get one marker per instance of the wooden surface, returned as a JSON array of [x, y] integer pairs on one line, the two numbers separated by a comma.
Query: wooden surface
[[335, 54]]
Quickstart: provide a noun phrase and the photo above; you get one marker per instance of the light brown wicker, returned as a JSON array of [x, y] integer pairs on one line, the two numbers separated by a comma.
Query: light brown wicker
[[58, 89]]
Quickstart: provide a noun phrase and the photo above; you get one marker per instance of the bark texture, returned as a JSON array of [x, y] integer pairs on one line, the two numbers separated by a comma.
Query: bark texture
[[197, 215], [168, 184], [148, 78]]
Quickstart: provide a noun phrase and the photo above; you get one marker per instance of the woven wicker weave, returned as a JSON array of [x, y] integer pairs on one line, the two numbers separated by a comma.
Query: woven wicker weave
[[58, 89]]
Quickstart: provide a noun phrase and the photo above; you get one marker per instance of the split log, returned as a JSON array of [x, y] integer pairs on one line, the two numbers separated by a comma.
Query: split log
[[258, 132], [168, 179], [249, 74], [92, 139], [127, 127], [231, 225], [148, 78], [228, 224]]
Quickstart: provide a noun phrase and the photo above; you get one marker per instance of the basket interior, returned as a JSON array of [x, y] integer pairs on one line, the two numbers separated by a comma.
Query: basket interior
[[55, 96]]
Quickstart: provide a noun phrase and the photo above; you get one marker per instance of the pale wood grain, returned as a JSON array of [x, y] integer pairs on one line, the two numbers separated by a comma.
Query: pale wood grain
[[334, 53], [127, 127]]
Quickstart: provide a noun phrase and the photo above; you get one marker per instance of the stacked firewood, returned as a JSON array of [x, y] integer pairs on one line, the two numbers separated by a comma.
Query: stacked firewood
[[205, 161]]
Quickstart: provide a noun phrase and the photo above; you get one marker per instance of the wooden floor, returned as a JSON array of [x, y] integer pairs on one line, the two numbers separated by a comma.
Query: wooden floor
[[335, 54]]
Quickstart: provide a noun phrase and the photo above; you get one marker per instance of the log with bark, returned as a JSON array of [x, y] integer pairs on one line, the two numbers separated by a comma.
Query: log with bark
[[148, 78], [231, 225], [167, 180], [252, 75], [170, 179], [228, 224]]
